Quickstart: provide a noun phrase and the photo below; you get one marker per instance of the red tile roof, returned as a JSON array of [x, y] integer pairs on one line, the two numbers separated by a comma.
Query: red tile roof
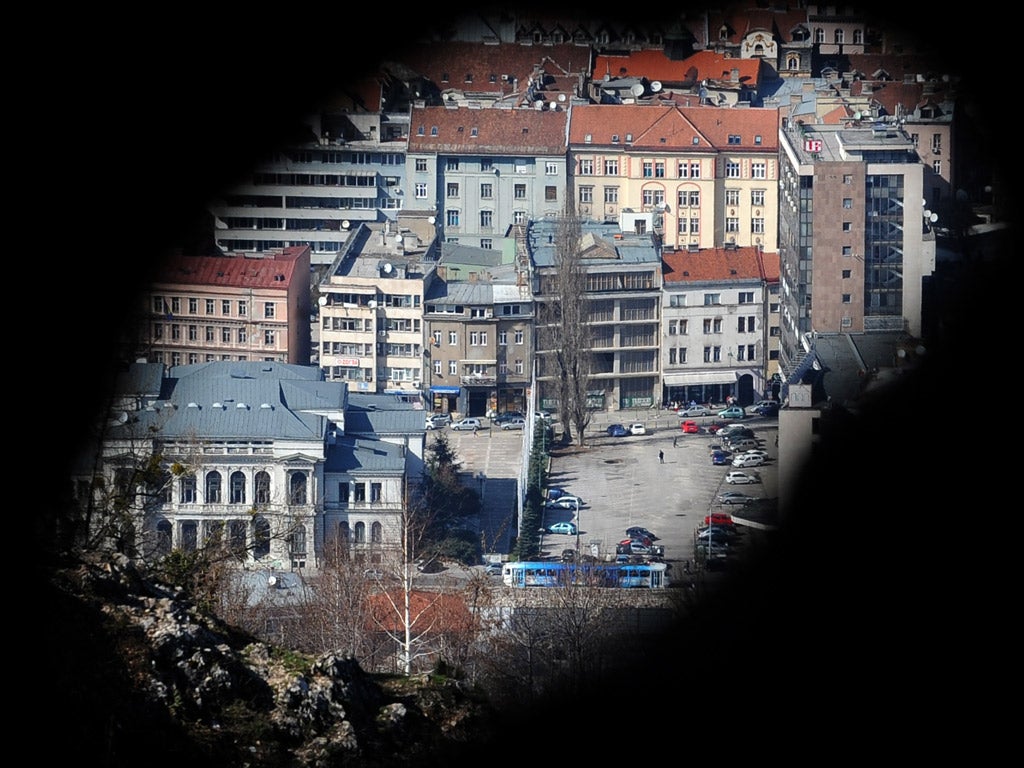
[[274, 270], [714, 264], [498, 131]]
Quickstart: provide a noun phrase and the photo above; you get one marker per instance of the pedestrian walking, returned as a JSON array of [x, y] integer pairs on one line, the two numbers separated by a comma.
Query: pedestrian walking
[[661, 456], [675, 441]]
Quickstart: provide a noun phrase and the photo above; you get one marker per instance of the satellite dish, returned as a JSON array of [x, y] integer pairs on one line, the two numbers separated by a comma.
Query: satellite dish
[[272, 581], [857, 115], [933, 218], [656, 86], [561, 97], [387, 268], [372, 303], [431, 220], [538, 104], [637, 89], [398, 239], [346, 224], [322, 301]]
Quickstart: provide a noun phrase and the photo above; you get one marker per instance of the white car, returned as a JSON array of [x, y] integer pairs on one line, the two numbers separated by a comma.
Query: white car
[[565, 501], [738, 477], [471, 424], [756, 452], [516, 423], [437, 420], [636, 428], [747, 460]]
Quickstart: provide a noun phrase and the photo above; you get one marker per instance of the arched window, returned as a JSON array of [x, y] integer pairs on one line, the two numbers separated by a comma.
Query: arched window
[[297, 490], [213, 487], [260, 537], [164, 538], [297, 542], [188, 490], [236, 538], [858, 37], [262, 482], [237, 487], [840, 36], [377, 533], [189, 536], [360, 533], [344, 532]]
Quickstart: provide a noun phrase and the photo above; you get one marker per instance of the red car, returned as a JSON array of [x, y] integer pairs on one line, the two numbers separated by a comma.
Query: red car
[[713, 427], [718, 518], [690, 427]]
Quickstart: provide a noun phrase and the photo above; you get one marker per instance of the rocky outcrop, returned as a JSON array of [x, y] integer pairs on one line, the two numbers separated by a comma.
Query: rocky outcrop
[[145, 678]]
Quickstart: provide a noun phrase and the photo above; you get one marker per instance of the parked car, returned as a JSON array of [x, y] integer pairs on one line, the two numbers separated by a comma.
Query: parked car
[[714, 549], [756, 452], [517, 423], [565, 501], [755, 408], [568, 529], [568, 555], [690, 427], [768, 411], [493, 569], [471, 424], [617, 430], [734, 497], [507, 416], [747, 460], [636, 428], [742, 444], [693, 411], [438, 420], [373, 573], [633, 547], [721, 518], [739, 477], [720, 458], [734, 429], [735, 412], [719, 537], [636, 530], [714, 428]]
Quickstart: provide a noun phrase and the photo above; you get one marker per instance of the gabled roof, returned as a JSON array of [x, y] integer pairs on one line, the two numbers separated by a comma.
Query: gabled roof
[[719, 70], [377, 457], [649, 63], [670, 127], [273, 269], [487, 131], [712, 265]]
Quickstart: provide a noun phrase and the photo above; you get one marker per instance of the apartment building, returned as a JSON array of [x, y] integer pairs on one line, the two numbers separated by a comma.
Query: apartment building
[[481, 171], [251, 306], [267, 460], [715, 325], [623, 296], [855, 245], [479, 319], [371, 309], [710, 175]]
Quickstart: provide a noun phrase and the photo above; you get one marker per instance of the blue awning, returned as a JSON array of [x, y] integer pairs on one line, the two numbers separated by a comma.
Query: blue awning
[[446, 390]]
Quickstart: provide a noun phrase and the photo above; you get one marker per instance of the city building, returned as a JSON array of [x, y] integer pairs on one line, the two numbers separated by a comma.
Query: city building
[[268, 460], [251, 306], [479, 320], [623, 297], [481, 171], [855, 245], [715, 325], [709, 175], [370, 308]]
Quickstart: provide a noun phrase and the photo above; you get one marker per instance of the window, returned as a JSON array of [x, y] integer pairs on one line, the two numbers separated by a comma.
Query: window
[[209, 333], [716, 354], [453, 189], [693, 198], [486, 243], [502, 338], [937, 167], [611, 167], [694, 226], [421, 164], [213, 488], [437, 367], [732, 169], [847, 226], [732, 197], [176, 305], [847, 273], [707, 354], [453, 368], [847, 202], [519, 191], [243, 336], [237, 488], [847, 250], [452, 163], [520, 367], [486, 218], [262, 485], [487, 191], [359, 494], [712, 298], [846, 298], [158, 331], [759, 170], [519, 337], [746, 297], [193, 306], [550, 169], [187, 494], [210, 304], [451, 217], [586, 167], [268, 338], [486, 164], [848, 177], [659, 169], [550, 194], [453, 338], [421, 191], [734, 139], [611, 195], [243, 309], [732, 224], [757, 226], [376, 492], [757, 197], [269, 310], [175, 332], [586, 194], [193, 333], [648, 171], [653, 196]]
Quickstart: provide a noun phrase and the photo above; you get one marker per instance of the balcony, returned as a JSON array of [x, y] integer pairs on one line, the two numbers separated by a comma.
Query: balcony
[[488, 380]]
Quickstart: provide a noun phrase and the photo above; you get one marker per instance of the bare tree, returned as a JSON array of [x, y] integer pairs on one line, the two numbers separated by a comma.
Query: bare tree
[[564, 329]]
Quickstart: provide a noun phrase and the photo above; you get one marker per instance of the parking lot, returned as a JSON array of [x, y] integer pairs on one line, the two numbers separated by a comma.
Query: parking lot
[[622, 481]]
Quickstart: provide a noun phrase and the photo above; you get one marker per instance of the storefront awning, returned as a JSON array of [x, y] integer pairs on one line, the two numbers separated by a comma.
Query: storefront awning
[[696, 378], [445, 390]]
